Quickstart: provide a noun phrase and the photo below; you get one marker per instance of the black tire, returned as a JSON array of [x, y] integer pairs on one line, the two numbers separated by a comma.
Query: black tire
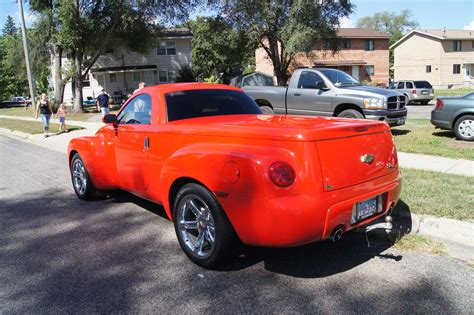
[[351, 113], [225, 239], [88, 191], [463, 133], [266, 110], [424, 102]]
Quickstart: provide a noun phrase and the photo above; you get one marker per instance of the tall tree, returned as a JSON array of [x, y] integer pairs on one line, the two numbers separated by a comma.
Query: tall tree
[[10, 28], [285, 27], [390, 23], [217, 47]]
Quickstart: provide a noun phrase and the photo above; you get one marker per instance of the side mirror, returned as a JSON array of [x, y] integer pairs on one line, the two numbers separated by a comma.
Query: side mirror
[[110, 119], [320, 85]]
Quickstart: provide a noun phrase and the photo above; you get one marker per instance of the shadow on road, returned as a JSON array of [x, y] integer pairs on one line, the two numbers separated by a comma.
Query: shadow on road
[[445, 134]]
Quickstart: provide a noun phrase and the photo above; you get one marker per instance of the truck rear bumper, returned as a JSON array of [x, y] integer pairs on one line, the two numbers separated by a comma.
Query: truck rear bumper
[[392, 117]]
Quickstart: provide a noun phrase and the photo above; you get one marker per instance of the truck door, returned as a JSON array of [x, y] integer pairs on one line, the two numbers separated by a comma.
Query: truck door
[[306, 99]]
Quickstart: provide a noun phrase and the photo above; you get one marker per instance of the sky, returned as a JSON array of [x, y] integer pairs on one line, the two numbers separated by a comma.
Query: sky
[[430, 14]]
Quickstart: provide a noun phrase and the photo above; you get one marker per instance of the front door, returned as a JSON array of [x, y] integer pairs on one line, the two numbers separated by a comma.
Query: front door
[[132, 143], [355, 72], [306, 99]]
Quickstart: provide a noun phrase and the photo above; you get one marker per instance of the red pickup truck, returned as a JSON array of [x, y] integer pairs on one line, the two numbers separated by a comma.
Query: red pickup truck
[[225, 173]]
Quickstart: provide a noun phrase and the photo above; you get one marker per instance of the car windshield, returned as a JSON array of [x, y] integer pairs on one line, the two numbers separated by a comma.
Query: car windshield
[[340, 78], [423, 85], [201, 103]]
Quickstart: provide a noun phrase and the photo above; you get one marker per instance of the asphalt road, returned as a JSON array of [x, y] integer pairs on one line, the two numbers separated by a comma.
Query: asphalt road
[[420, 111], [119, 254]]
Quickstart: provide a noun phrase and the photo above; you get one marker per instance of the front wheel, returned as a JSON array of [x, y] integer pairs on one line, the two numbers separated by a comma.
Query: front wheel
[[351, 113], [203, 229], [81, 180], [464, 128]]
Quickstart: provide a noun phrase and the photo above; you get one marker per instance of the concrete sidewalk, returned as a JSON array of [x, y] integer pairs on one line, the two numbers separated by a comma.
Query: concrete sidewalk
[[409, 160]]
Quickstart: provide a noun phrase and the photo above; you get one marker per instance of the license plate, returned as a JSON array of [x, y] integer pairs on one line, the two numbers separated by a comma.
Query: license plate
[[366, 208], [424, 92]]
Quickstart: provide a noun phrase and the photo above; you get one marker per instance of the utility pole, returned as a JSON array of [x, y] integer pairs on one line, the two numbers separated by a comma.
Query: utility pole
[[27, 56]]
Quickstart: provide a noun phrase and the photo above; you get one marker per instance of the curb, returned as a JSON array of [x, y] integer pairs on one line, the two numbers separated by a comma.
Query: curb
[[15, 133]]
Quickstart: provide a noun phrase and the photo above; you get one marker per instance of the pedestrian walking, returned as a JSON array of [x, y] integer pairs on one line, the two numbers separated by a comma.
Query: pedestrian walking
[[103, 103], [61, 113], [43, 108], [141, 85]]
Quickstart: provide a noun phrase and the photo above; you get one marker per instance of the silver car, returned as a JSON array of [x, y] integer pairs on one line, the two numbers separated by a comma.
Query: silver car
[[415, 91]]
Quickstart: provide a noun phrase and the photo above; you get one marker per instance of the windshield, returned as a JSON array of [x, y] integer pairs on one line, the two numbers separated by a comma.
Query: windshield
[[340, 78], [201, 103]]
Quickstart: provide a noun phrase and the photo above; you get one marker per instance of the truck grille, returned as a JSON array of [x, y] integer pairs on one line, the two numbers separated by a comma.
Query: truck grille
[[396, 102]]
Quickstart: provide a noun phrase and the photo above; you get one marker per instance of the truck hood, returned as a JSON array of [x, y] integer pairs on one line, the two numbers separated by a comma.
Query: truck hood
[[277, 127], [364, 90]]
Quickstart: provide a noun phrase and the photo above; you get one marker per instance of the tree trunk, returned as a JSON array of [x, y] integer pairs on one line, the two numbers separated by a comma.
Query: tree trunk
[[57, 73], [78, 98]]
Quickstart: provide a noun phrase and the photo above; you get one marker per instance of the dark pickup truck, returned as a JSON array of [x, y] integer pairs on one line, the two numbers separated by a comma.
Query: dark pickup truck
[[329, 92]]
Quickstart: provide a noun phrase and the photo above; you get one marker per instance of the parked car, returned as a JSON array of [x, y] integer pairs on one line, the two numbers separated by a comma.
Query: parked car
[[224, 173], [415, 91], [89, 102], [330, 92], [455, 113], [16, 101]]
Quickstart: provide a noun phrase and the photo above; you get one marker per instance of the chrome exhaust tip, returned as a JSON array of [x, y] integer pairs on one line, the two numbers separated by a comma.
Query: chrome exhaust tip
[[336, 235]]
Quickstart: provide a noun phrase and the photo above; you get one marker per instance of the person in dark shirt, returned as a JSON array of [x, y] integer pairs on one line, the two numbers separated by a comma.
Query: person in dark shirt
[[103, 103], [43, 107]]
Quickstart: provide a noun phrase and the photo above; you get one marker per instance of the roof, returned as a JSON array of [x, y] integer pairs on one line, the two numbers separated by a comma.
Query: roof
[[439, 35], [177, 32], [361, 33], [340, 63]]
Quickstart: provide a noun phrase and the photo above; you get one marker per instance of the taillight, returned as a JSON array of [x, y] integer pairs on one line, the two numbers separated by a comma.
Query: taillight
[[282, 174], [439, 104], [413, 91]]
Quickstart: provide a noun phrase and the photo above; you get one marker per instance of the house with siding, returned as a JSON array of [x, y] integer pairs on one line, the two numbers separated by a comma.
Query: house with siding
[[445, 58], [119, 71], [362, 53]]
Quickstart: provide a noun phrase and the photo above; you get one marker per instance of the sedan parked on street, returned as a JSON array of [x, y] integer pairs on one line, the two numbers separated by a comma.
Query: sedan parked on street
[[415, 91], [455, 113]]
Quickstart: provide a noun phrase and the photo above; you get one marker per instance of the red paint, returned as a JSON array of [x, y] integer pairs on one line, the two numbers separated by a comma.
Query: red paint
[[232, 156]]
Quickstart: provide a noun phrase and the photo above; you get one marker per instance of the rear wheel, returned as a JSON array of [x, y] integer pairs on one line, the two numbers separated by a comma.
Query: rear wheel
[[203, 230], [424, 102], [464, 128], [81, 180], [351, 113], [266, 110]]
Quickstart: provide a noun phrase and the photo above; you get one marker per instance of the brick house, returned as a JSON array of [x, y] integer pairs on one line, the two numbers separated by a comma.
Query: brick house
[[363, 53], [445, 58]]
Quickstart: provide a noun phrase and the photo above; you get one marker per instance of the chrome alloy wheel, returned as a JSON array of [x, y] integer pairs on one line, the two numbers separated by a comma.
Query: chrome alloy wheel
[[466, 128], [196, 225], [79, 176]]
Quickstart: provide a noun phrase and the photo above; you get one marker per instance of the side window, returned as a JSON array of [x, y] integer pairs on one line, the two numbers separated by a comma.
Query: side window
[[401, 85], [393, 85], [137, 111], [409, 85], [308, 80]]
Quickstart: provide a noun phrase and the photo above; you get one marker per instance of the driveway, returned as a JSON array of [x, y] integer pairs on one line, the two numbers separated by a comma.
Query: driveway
[[420, 111], [59, 254]]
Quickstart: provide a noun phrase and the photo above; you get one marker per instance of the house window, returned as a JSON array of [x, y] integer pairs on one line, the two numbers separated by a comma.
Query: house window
[[428, 69], [113, 78], [167, 48], [327, 45], [346, 43], [100, 80], [171, 76], [136, 76], [457, 69], [369, 44], [472, 44], [163, 76], [457, 45], [369, 70]]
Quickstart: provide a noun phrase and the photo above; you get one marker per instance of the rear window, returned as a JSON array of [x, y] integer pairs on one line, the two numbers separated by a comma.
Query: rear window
[[423, 85], [202, 103]]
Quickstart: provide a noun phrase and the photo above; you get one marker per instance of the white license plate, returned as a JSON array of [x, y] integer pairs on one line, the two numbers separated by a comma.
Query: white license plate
[[366, 208], [424, 92]]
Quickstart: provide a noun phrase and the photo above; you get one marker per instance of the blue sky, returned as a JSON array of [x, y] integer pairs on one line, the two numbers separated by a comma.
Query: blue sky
[[452, 14]]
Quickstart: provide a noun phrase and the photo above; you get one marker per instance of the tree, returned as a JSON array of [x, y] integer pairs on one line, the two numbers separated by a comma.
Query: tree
[[219, 48], [390, 23], [10, 29], [286, 27]]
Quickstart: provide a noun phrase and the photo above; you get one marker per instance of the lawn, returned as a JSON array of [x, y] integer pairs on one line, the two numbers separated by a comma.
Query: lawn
[[28, 112], [452, 92], [438, 194], [420, 136], [31, 127]]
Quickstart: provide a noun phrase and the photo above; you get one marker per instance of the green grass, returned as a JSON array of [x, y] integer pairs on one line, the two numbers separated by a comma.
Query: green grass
[[437, 194], [452, 92], [31, 127], [28, 112], [420, 136], [413, 242]]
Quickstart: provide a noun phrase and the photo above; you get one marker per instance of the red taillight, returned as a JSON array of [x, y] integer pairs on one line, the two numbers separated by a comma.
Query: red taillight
[[413, 91], [282, 174], [439, 104]]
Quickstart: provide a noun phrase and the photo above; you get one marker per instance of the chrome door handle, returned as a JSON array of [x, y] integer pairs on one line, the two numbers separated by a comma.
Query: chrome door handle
[[146, 144]]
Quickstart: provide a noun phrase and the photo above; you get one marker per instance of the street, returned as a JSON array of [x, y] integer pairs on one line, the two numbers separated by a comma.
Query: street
[[417, 111], [120, 254]]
